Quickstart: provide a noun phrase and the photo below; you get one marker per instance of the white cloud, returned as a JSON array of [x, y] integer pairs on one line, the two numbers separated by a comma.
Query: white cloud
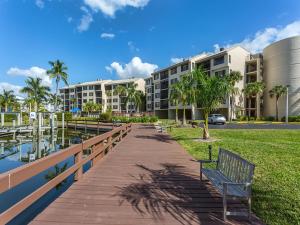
[[107, 35], [267, 36], [40, 3], [132, 47], [135, 68], [176, 60], [31, 72], [109, 7], [85, 20], [8, 87]]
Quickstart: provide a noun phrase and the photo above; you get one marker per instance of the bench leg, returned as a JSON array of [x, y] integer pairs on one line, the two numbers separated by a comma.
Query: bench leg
[[249, 208], [200, 171], [224, 202]]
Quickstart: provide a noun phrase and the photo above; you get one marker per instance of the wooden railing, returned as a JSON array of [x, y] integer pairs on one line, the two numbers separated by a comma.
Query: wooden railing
[[98, 146]]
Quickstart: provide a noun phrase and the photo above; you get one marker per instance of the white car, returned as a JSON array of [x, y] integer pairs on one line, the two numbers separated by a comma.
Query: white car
[[216, 119]]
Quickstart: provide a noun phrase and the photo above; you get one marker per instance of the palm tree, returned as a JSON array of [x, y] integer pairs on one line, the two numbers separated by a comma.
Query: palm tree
[[174, 98], [278, 91], [7, 98], [233, 78], [89, 107], [209, 94], [58, 72], [120, 90], [253, 89], [133, 96], [185, 93], [29, 102], [36, 92]]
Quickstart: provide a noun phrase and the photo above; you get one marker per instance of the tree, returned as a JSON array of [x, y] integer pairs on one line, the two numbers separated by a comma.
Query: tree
[[7, 98], [120, 90], [253, 89], [89, 107], [36, 92], [58, 72], [53, 99], [278, 91], [233, 78], [185, 93], [210, 92], [133, 96], [174, 98]]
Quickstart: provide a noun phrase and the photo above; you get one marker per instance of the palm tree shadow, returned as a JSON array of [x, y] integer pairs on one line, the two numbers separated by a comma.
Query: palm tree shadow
[[170, 190]]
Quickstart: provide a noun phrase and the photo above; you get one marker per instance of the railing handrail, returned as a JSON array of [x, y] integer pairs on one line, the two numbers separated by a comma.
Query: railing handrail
[[16, 176]]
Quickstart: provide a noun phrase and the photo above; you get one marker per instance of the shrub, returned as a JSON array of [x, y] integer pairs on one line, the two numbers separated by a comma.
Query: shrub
[[291, 119], [269, 118], [144, 119], [106, 117], [68, 116]]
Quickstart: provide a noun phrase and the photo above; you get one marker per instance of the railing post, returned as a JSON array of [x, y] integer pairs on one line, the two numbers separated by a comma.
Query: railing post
[[78, 158], [121, 134], [85, 126], [98, 127], [109, 143], [93, 159]]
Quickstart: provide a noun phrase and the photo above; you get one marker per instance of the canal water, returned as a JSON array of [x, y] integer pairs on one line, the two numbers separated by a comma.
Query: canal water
[[15, 152]]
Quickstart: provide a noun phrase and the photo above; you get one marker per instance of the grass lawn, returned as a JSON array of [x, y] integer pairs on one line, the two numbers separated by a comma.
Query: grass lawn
[[276, 154]]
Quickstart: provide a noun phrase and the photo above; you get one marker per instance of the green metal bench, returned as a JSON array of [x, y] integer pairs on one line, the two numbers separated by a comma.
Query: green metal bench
[[232, 177]]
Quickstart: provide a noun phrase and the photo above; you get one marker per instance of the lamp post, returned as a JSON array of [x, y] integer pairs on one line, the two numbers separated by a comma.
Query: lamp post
[[287, 105]]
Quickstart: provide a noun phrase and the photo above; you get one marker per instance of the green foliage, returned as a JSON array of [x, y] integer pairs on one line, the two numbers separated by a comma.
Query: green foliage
[[144, 119], [291, 119], [10, 117], [68, 116], [276, 188], [107, 116]]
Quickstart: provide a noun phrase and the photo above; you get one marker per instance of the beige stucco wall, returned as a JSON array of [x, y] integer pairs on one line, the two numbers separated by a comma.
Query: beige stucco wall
[[282, 67]]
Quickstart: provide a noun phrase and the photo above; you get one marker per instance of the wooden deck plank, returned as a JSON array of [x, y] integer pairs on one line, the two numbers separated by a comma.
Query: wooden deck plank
[[147, 179]]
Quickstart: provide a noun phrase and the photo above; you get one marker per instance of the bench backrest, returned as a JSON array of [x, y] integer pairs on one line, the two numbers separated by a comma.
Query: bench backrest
[[234, 167]]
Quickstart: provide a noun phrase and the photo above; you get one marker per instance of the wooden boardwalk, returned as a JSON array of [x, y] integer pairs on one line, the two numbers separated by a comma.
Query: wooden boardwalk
[[147, 179]]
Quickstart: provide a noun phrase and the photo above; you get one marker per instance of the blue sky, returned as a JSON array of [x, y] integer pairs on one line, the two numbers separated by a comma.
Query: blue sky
[[112, 39]]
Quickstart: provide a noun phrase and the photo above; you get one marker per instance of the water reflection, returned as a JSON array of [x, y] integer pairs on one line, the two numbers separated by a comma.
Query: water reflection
[[24, 149]]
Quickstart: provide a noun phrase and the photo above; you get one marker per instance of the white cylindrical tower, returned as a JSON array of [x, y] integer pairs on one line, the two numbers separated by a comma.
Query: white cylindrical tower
[[282, 67]]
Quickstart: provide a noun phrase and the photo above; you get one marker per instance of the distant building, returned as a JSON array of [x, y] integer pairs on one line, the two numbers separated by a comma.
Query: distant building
[[279, 64], [101, 92]]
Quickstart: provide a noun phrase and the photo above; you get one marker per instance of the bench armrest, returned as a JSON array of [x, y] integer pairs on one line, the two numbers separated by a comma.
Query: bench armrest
[[238, 184], [207, 161]]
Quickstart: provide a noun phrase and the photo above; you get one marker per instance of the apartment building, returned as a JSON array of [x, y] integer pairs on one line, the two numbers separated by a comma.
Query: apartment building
[[217, 64], [100, 92]]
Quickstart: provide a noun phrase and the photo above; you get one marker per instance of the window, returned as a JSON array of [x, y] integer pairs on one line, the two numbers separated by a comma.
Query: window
[[84, 94], [91, 87], [98, 87], [157, 105], [108, 100], [157, 95], [173, 81], [91, 100], [84, 100], [84, 88], [149, 90], [164, 94], [148, 81], [72, 90], [115, 100], [220, 73], [149, 106], [91, 94], [173, 70], [62, 91], [229, 58], [149, 98], [219, 60], [115, 107], [157, 86], [156, 76], [164, 75], [184, 67], [164, 85]]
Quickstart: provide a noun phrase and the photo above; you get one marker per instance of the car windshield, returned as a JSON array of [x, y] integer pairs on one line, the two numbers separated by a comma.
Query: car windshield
[[217, 115]]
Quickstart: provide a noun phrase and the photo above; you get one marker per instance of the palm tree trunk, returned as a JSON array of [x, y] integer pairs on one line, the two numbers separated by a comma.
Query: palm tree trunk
[[176, 114], [184, 118], [55, 106], [257, 103], [6, 107], [231, 108], [205, 129], [249, 106], [277, 109]]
